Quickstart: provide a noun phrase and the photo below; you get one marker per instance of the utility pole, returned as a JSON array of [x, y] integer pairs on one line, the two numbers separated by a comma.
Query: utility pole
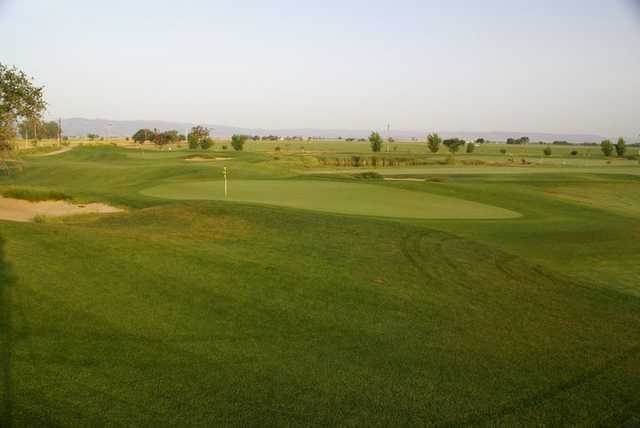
[[388, 128], [225, 182], [59, 131]]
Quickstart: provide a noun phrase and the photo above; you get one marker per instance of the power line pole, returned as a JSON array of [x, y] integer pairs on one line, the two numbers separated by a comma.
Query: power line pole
[[225, 182], [388, 128], [59, 131]]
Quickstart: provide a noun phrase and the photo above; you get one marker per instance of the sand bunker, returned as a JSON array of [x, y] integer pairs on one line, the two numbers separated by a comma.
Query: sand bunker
[[204, 159], [19, 210], [403, 179]]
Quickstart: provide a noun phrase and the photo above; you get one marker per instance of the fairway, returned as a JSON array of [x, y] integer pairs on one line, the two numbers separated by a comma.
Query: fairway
[[335, 196]]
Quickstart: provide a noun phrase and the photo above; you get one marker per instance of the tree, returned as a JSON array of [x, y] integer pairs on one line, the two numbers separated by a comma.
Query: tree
[[19, 99], [471, 147], [197, 135], [376, 142], [621, 147], [479, 140], [206, 143], [453, 144], [36, 128], [433, 142], [606, 147], [166, 137], [237, 142], [93, 136], [143, 135], [547, 151]]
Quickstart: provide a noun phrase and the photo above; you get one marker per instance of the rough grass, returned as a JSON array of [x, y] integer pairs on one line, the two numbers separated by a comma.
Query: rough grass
[[206, 313], [34, 195]]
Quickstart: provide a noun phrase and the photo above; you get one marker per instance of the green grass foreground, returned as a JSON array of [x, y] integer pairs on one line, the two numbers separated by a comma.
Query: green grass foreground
[[211, 312]]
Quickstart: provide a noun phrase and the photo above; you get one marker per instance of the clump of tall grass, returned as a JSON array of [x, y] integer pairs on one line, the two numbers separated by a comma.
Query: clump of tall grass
[[34, 195], [369, 175]]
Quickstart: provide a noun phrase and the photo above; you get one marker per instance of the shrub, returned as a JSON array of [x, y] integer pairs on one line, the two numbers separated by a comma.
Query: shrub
[[206, 143], [433, 142], [574, 153], [369, 175], [606, 147], [503, 151], [547, 151], [376, 142], [355, 161], [237, 142]]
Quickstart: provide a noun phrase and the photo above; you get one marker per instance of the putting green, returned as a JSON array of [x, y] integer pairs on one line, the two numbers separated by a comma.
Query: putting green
[[332, 196]]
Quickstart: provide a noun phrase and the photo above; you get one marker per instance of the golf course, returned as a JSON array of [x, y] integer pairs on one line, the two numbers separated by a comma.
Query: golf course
[[490, 288]]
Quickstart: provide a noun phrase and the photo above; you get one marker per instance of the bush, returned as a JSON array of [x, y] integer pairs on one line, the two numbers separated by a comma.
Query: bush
[[206, 143], [237, 142], [547, 151], [503, 151], [369, 175], [376, 142], [355, 161], [574, 153]]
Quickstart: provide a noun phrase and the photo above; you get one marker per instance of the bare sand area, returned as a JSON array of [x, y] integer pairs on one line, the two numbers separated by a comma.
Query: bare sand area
[[25, 211]]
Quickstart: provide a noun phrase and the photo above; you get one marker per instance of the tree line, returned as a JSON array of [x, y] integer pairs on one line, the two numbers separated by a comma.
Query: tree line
[[198, 138]]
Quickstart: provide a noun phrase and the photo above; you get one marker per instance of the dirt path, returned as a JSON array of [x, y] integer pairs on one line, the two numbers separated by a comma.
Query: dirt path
[[56, 152], [19, 210], [204, 159]]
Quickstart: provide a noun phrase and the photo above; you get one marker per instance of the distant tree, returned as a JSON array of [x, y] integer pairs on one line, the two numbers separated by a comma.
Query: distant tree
[[376, 142], [197, 135], [480, 141], [237, 142], [561, 143], [36, 128], [19, 99], [547, 151], [166, 137], [453, 144], [511, 141], [574, 153], [143, 135], [93, 136], [206, 143], [503, 151], [433, 142], [471, 147], [391, 140], [621, 147], [607, 147]]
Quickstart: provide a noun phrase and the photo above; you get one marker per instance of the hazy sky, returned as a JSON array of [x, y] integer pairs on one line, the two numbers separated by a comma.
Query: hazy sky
[[548, 66]]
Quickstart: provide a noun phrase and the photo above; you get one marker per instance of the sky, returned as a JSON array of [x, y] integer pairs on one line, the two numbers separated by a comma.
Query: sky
[[560, 66]]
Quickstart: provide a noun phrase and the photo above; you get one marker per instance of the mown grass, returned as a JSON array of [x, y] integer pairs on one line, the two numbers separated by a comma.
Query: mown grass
[[184, 313]]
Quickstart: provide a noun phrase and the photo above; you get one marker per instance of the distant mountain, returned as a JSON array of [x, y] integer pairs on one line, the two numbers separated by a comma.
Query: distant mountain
[[124, 128]]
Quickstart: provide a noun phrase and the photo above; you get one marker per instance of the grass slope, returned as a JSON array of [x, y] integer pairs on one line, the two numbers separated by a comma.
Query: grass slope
[[187, 313]]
